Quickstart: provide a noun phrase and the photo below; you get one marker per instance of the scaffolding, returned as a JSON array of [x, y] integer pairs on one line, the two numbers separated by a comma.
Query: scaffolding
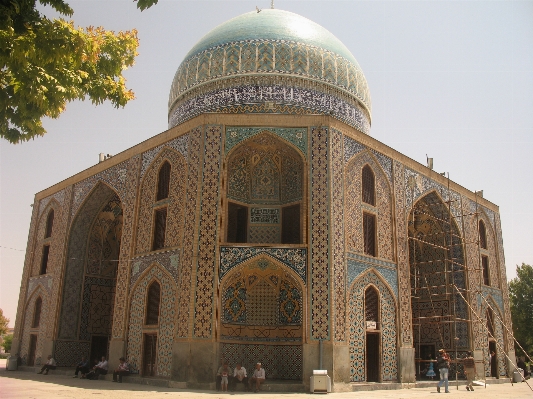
[[442, 312]]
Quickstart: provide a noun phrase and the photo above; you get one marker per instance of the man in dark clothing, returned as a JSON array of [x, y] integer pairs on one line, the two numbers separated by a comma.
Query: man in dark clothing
[[470, 370], [82, 366], [443, 364]]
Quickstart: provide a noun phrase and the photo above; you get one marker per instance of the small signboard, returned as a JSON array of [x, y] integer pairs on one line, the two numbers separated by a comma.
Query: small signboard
[[371, 325]]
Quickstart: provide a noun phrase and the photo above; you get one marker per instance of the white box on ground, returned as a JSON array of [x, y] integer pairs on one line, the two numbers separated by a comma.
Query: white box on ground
[[320, 382]]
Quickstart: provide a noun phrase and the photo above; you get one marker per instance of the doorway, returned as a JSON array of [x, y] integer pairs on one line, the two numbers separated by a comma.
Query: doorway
[[372, 357], [150, 355], [33, 348], [493, 359], [98, 347]]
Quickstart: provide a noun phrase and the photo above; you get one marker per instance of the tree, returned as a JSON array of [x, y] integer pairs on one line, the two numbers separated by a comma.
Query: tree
[[46, 63], [521, 296], [7, 341], [4, 321]]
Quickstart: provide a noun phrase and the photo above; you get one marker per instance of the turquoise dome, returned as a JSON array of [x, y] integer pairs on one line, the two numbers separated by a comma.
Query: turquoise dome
[[286, 49]]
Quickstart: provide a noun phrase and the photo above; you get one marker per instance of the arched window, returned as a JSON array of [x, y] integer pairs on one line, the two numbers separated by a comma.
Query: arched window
[[485, 266], [152, 304], [44, 259], [490, 322], [368, 185], [369, 233], [160, 227], [163, 182], [482, 235], [372, 306], [49, 224], [37, 313]]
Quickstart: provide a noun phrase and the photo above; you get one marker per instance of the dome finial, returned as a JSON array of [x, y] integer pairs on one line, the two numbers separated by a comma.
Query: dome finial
[[272, 4]]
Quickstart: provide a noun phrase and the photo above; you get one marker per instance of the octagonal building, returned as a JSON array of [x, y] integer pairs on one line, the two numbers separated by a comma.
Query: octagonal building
[[265, 225]]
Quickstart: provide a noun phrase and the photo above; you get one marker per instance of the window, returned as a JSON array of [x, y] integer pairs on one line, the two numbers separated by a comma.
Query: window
[[163, 182], [490, 322], [369, 233], [37, 313], [290, 225], [482, 235], [485, 266], [368, 185], [44, 260], [49, 224], [237, 223], [152, 304], [160, 225], [372, 306]]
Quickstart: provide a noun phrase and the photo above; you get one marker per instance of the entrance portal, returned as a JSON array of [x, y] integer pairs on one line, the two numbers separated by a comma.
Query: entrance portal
[[98, 347], [372, 357]]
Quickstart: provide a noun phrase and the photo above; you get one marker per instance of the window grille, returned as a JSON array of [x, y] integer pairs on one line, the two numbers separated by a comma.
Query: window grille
[[482, 235], [369, 184], [49, 224], [37, 313], [44, 260], [163, 182], [485, 265], [152, 304], [371, 305], [160, 225], [369, 234]]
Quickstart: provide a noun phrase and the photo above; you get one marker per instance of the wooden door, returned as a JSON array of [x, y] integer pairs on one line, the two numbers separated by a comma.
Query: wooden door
[[33, 348], [150, 355]]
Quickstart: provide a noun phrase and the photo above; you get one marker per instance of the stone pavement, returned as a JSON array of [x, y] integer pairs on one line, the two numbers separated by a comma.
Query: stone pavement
[[23, 384]]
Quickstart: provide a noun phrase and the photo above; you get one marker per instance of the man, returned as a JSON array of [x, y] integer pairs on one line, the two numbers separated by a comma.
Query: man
[[219, 373], [443, 364], [123, 369], [470, 370], [239, 375], [258, 377], [522, 365], [82, 366], [49, 365], [100, 368]]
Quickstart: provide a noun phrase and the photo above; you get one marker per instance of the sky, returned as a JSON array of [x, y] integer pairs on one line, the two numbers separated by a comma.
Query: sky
[[450, 79]]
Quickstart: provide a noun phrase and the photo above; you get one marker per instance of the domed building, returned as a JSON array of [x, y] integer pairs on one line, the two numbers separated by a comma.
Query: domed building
[[266, 225]]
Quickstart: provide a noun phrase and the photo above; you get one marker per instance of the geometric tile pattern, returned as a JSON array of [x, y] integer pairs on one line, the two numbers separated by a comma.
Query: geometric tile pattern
[[179, 144], [354, 209], [354, 268], [195, 152], [357, 328], [68, 353], [235, 135], [319, 236], [294, 258], [337, 235], [208, 229], [97, 307], [264, 234], [353, 147], [281, 362], [167, 320], [498, 335], [288, 96], [41, 240], [174, 202], [40, 331], [301, 58], [170, 260]]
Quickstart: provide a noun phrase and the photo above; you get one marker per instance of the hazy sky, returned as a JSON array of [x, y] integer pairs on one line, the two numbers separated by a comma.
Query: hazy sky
[[451, 79]]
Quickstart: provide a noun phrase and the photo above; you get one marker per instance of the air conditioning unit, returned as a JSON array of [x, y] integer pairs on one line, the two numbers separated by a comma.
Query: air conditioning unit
[[320, 382]]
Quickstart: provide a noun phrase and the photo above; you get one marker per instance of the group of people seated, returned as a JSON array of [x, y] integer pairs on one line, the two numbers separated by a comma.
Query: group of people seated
[[226, 377]]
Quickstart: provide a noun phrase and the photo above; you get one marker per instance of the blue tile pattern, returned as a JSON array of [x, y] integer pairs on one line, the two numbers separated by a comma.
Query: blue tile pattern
[[297, 136], [356, 265]]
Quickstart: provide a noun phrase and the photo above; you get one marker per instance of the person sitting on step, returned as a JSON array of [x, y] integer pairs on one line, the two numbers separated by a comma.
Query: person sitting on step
[[49, 365], [258, 377]]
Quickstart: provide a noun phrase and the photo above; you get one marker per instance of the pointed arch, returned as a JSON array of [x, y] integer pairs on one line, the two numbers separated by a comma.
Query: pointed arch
[[161, 210], [32, 334], [491, 313], [49, 223], [490, 265], [166, 325], [357, 327], [44, 239], [152, 303], [36, 320], [368, 226]]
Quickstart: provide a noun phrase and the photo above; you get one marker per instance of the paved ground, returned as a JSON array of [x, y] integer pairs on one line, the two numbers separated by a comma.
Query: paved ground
[[22, 384]]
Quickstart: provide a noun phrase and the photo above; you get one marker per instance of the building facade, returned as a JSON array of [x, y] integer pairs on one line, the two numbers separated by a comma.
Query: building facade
[[265, 225]]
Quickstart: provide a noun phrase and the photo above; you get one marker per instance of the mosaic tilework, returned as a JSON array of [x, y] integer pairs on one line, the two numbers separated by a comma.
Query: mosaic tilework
[[121, 297], [354, 210], [264, 234], [265, 170], [205, 272], [175, 201], [186, 270], [231, 257], [41, 241], [281, 362], [179, 144], [115, 177], [45, 281], [68, 353], [250, 95], [76, 251], [319, 235], [170, 260], [337, 234], [296, 136], [351, 148], [167, 320], [498, 335], [41, 331], [404, 284], [57, 197], [344, 74], [356, 328], [354, 268], [96, 307], [264, 215]]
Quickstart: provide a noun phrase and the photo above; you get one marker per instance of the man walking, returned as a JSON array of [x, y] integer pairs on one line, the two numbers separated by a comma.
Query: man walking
[[470, 370], [443, 364]]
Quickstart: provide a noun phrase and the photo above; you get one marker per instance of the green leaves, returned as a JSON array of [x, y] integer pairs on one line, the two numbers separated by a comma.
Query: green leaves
[[144, 4], [521, 297], [48, 63]]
